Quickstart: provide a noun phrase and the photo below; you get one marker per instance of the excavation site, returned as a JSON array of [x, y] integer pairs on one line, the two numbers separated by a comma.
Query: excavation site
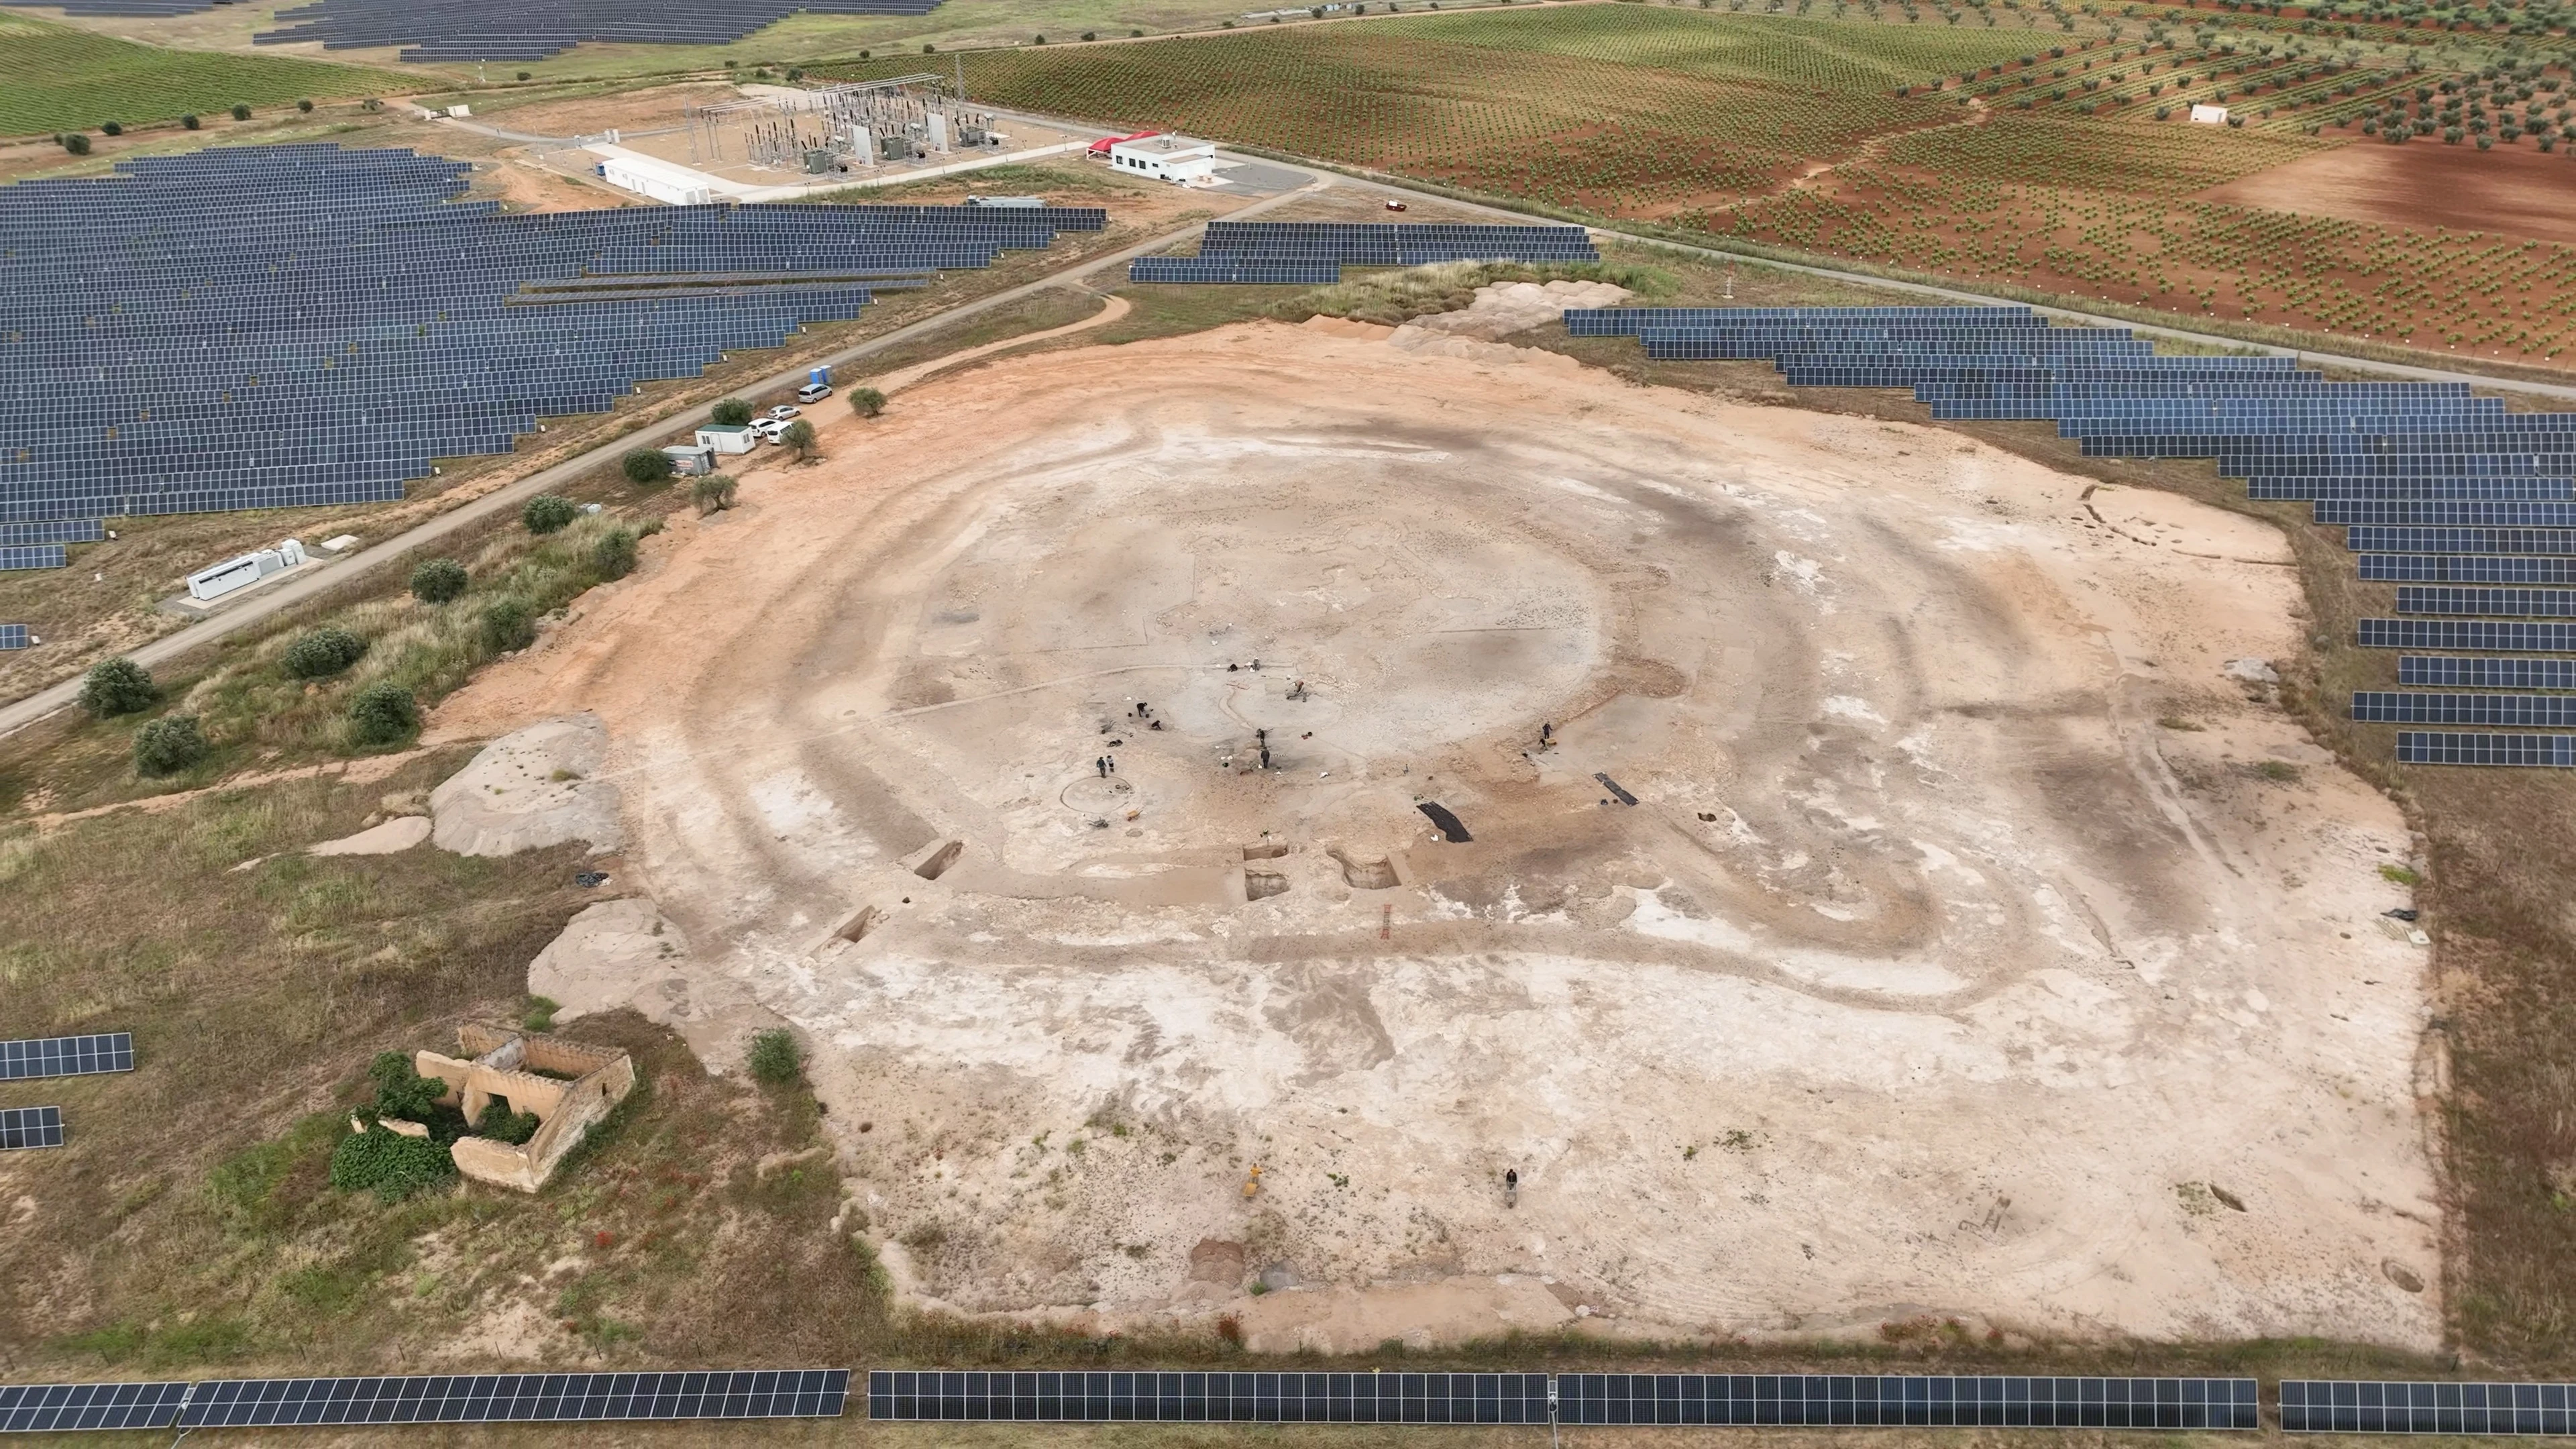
[[1383, 841]]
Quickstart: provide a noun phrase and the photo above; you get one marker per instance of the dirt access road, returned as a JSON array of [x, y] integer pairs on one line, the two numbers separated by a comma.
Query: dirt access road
[[1977, 944]]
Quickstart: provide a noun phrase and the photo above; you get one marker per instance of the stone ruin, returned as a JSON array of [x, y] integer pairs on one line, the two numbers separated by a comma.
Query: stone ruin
[[507, 1064]]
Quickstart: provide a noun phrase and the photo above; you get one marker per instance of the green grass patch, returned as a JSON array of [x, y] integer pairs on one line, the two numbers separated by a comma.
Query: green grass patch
[[58, 78]]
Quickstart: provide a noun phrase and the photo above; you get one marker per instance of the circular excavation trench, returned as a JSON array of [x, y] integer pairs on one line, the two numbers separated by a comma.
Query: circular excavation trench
[[1925, 972]]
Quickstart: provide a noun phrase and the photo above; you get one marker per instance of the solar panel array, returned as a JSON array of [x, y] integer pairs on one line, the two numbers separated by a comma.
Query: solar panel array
[[1500, 1398], [429, 1399], [66, 1056], [33, 556], [22, 1128], [1312, 253], [13, 636], [468, 30], [267, 326], [2469, 508], [2341, 1406]]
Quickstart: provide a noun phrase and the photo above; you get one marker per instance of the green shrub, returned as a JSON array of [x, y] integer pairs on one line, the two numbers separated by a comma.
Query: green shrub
[[774, 1057], [503, 1125], [508, 625], [112, 128], [439, 580], [713, 493], [541, 1013], [867, 402], [76, 143], [549, 513], [383, 713], [323, 652], [168, 745], [117, 686], [241, 113], [614, 555], [401, 1091], [800, 436], [188, 121], [307, 106], [389, 1164], [646, 466], [523, 75], [732, 412]]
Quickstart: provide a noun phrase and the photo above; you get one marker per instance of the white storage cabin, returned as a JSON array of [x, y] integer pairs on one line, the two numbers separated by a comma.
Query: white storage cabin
[[217, 580], [1175, 159], [727, 437]]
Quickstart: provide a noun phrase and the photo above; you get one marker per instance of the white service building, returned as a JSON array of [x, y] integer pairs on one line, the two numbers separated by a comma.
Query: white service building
[[663, 181], [2209, 115], [1176, 159]]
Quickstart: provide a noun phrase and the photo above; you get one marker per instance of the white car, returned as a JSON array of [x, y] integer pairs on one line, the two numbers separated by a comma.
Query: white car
[[771, 430], [813, 392], [784, 411]]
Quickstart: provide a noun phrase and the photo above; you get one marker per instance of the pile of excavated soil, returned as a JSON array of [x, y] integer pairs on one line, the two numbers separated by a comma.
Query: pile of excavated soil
[[1974, 945]]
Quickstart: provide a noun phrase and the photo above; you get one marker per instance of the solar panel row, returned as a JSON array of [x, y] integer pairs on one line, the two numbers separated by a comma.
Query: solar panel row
[[1499, 1398], [1305, 253], [2329, 1406], [22, 1128], [428, 1399], [2468, 507], [66, 1056]]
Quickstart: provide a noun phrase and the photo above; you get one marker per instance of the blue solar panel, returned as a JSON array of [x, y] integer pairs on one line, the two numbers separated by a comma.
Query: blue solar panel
[[66, 1056], [61, 1408], [24, 1128], [2492, 636], [2543, 751], [2327, 1406], [511, 1398], [2508, 711], [33, 556], [13, 636], [2439, 671]]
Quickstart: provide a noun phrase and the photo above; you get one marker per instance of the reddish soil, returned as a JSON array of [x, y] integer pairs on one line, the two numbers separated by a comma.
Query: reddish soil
[[2512, 189]]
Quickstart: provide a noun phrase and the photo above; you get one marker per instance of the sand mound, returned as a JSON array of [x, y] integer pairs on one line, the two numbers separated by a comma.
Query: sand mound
[[530, 789], [1927, 973]]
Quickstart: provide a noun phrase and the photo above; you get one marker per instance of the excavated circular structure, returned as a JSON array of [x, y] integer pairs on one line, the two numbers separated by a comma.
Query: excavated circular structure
[[1906, 913]]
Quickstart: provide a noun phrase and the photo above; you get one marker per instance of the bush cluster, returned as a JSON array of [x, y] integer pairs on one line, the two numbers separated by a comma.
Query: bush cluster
[[549, 513], [383, 713], [117, 686], [775, 1058], [732, 412], [645, 467], [321, 653], [503, 1125], [389, 1164], [614, 555], [507, 625], [168, 745], [439, 580]]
